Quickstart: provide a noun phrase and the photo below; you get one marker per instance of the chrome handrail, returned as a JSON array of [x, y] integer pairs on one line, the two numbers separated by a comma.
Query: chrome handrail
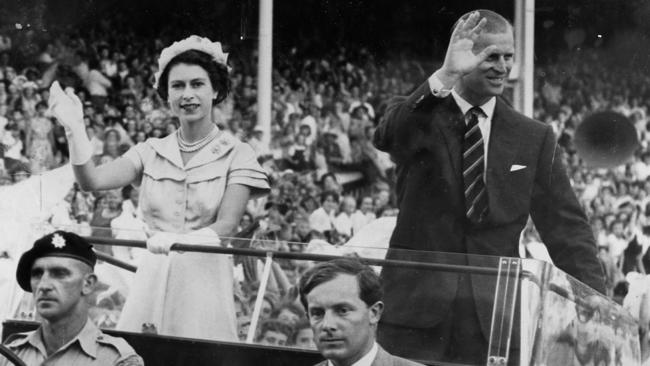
[[300, 256]]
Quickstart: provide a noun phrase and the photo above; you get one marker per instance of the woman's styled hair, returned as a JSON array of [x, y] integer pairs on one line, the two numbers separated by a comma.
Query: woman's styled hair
[[327, 194], [218, 73]]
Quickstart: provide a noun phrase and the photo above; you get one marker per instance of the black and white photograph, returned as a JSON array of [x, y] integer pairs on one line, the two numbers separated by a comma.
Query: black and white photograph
[[325, 182]]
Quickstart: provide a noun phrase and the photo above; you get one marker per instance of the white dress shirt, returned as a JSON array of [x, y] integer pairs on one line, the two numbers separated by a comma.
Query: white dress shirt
[[484, 122], [321, 221], [366, 360], [343, 224]]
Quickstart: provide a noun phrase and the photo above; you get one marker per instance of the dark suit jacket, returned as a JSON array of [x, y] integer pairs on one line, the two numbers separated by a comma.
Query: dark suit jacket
[[384, 358], [421, 132]]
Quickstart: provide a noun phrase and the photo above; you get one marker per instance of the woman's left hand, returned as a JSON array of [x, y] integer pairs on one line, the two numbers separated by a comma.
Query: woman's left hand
[[161, 242]]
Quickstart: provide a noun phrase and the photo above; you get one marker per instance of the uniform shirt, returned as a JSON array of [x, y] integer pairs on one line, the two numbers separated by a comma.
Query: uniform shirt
[[90, 347]]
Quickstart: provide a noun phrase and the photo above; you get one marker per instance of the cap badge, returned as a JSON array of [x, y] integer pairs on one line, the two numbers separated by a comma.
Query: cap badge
[[58, 241]]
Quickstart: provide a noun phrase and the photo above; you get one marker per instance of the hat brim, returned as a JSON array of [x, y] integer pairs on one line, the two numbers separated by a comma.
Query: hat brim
[[26, 261], [24, 268]]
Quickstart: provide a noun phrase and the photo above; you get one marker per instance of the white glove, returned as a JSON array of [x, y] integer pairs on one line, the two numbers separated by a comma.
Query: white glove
[[68, 110], [161, 242]]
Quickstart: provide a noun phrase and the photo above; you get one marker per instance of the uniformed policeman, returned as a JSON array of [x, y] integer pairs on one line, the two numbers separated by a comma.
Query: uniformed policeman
[[59, 271]]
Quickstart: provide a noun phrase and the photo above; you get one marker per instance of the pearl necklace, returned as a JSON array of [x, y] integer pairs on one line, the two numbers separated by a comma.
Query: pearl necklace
[[196, 145]]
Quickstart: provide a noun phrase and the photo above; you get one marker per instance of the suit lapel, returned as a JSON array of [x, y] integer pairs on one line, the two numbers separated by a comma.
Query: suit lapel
[[449, 121], [503, 145], [383, 358]]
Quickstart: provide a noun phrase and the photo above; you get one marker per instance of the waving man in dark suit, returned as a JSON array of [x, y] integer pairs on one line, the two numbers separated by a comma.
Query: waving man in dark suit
[[470, 170]]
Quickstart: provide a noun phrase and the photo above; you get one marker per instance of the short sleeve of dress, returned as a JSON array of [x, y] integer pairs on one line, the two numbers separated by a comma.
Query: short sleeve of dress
[[138, 154], [245, 170]]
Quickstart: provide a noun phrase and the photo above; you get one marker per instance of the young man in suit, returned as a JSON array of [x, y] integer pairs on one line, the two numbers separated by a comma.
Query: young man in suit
[[343, 302], [470, 170]]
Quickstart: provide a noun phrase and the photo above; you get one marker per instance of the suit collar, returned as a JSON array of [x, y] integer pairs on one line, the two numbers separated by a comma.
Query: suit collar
[[383, 358], [372, 358], [452, 123], [505, 137], [465, 106]]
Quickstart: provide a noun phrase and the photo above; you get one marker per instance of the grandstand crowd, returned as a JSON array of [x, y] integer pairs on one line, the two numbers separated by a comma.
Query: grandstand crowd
[[328, 180]]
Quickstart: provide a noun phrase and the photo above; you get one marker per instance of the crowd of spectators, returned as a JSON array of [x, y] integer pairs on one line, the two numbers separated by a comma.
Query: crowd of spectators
[[569, 89], [328, 180]]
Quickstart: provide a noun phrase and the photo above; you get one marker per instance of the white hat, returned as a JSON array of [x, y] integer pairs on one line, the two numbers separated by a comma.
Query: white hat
[[192, 42]]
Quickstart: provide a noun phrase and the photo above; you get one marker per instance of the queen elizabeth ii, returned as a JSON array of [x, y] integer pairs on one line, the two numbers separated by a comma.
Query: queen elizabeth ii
[[194, 186]]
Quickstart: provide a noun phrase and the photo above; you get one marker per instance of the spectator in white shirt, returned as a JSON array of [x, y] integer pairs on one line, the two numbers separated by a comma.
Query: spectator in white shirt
[[322, 219], [345, 220], [617, 241], [641, 169], [364, 215]]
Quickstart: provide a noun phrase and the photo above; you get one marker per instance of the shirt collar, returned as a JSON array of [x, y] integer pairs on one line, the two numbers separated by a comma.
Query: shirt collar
[[167, 147], [87, 340], [465, 106], [366, 360], [34, 339]]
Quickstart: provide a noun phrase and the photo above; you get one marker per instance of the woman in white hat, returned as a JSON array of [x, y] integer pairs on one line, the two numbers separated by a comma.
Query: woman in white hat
[[194, 185]]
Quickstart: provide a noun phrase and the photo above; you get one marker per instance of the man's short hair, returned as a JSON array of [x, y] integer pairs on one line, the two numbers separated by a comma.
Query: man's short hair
[[370, 289], [495, 22]]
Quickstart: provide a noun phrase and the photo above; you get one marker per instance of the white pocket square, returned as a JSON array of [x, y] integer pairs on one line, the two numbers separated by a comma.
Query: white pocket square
[[516, 167]]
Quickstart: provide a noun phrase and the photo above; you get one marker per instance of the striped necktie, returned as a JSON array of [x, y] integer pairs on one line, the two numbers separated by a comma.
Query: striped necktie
[[476, 201]]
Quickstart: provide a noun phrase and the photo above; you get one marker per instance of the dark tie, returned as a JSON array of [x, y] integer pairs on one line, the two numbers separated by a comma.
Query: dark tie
[[476, 201]]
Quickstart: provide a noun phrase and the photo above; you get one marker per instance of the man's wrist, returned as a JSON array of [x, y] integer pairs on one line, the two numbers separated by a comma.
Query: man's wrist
[[447, 77], [440, 84]]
